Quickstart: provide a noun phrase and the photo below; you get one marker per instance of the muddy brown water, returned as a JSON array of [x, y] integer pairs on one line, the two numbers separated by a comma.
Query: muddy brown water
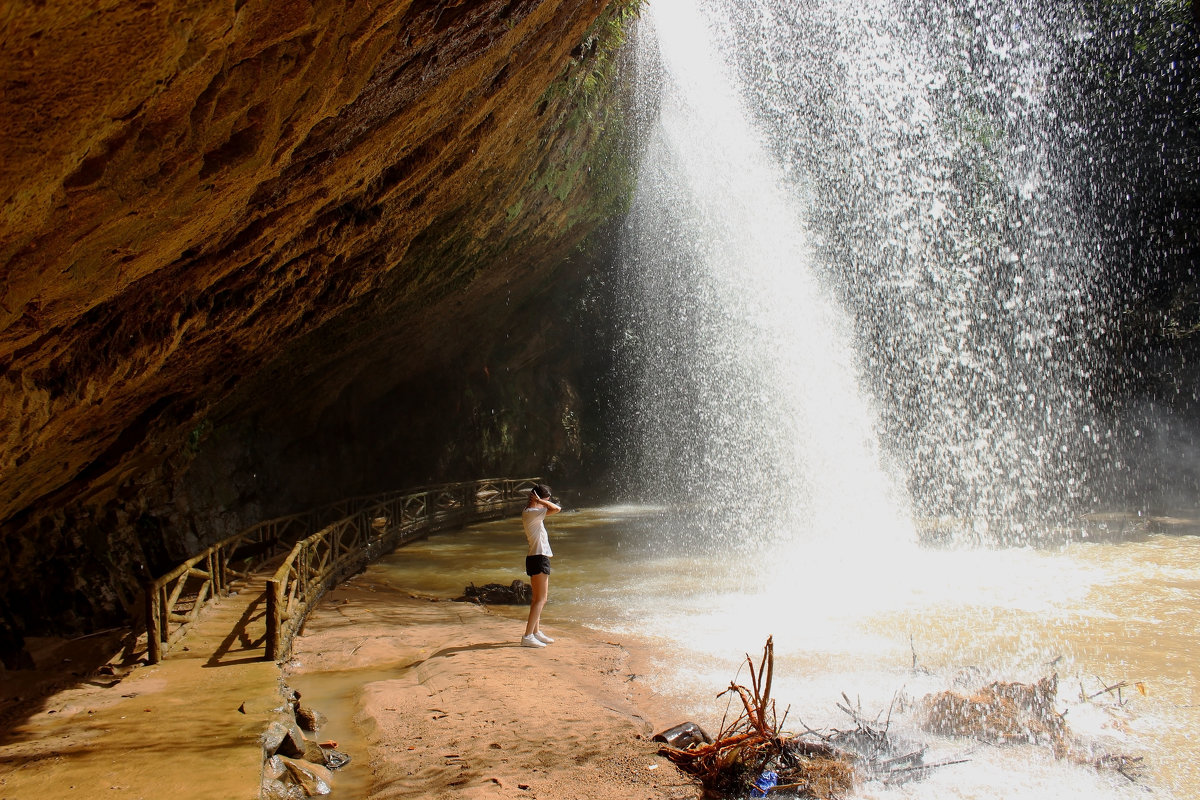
[[885, 630]]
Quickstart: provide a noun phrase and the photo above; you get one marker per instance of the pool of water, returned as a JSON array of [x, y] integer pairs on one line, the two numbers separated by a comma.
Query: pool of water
[[886, 625]]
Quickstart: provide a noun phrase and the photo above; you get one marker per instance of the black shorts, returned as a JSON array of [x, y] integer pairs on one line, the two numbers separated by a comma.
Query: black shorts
[[535, 565]]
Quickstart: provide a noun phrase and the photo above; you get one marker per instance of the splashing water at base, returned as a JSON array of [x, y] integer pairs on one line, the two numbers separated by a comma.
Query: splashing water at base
[[1095, 614]]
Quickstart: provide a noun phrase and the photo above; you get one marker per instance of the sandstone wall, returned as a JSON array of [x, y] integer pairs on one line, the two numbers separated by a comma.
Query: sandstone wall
[[238, 228]]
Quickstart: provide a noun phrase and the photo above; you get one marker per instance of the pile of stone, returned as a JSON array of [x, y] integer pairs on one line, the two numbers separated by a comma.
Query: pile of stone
[[295, 766]]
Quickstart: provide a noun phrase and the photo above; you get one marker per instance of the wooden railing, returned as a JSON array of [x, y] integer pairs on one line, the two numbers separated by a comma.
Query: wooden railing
[[326, 545], [175, 600], [329, 556]]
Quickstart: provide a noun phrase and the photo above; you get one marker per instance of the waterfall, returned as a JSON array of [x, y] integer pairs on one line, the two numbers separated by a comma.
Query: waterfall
[[749, 403], [854, 279]]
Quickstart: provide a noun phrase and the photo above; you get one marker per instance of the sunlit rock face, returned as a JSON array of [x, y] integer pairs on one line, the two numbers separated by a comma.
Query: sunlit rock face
[[234, 234]]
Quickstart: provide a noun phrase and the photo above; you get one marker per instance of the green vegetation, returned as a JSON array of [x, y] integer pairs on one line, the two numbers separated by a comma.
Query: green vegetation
[[198, 435], [586, 80], [586, 105]]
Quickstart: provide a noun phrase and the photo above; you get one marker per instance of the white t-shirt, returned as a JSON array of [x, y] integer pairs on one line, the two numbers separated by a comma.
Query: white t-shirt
[[534, 520]]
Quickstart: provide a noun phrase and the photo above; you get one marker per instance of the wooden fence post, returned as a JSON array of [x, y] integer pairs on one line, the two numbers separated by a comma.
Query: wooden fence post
[[164, 617], [153, 621], [219, 577], [274, 618], [210, 565]]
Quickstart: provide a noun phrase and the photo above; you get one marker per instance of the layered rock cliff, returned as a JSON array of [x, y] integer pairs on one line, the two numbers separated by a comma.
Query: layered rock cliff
[[257, 255]]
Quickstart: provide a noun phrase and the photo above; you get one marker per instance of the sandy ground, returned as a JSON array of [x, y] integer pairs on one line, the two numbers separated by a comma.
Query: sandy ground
[[431, 698], [186, 727], [447, 703]]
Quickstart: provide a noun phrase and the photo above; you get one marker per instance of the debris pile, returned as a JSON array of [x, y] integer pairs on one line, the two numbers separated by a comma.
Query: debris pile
[[1001, 713], [519, 593], [752, 756], [878, 753], [752, 746]]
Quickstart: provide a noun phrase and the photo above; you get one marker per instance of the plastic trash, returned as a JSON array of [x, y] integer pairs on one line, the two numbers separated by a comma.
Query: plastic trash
[[765, 783], [683, 736], [334, 759]]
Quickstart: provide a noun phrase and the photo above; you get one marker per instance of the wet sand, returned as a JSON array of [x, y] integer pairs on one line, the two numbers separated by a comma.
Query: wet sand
[[431, 698], [186, 727], [445, 702]]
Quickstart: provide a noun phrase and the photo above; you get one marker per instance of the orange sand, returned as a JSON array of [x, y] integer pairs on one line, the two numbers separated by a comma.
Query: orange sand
[[451, 705], [437, 699], [187, 727]]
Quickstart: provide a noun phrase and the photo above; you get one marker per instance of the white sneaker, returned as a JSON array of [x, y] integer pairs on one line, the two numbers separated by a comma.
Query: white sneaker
[[543, 638], [530, 641]]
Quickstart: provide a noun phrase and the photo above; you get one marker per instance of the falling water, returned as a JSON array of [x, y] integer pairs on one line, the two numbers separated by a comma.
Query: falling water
[[856, 275], [750, 404], [857, 296], [863, 308]]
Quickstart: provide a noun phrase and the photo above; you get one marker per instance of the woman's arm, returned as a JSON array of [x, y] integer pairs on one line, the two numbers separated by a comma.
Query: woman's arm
[[551, 507]]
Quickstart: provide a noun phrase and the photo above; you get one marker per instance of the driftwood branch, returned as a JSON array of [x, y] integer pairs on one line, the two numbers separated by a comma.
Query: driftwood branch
[[769, 661], [810, 764]]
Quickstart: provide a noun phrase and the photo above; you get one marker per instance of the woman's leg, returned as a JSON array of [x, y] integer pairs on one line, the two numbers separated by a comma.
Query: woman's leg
[[541, 588]]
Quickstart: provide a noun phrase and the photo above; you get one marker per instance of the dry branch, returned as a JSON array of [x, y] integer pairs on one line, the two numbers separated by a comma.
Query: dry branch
[[812, 764], [753, 744]]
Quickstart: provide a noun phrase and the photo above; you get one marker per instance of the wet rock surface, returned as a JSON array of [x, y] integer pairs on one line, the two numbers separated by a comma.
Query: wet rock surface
[[284, 738], [294, 765]]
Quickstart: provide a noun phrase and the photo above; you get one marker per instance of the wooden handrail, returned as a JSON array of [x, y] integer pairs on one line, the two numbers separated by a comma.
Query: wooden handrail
[[344, 535], [175, 600], [327, 557]]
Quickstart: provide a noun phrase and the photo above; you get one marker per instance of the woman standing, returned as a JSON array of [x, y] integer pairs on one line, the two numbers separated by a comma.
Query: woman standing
[[537, 562]]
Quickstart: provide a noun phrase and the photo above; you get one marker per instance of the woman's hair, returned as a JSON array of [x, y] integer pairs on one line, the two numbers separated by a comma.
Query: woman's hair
[[542, 490]]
